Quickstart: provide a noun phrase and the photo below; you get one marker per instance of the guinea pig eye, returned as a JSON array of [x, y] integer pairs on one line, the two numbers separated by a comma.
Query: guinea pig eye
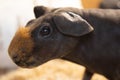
[[45, 31]]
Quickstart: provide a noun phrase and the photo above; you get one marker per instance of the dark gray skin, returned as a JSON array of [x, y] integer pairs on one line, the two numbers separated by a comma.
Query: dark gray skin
[[110, 4], [87, 37]]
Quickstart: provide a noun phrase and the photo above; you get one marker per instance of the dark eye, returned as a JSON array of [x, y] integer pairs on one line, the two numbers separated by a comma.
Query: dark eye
[[45, 31]]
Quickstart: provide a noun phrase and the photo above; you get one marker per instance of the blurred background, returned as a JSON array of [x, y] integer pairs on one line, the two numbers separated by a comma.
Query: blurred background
[[16, 13]]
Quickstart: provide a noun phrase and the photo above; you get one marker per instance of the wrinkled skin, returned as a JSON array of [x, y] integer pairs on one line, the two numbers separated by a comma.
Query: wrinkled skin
[[86, 37], [110, 4]]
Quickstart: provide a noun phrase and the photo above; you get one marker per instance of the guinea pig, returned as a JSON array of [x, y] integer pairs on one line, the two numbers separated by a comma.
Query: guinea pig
[[89, 37]]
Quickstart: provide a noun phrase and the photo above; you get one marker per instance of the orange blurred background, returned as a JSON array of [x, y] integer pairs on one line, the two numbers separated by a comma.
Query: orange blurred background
[[91, 3]]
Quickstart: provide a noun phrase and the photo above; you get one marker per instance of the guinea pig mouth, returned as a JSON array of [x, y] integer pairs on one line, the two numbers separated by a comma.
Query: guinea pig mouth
[[25, 62]]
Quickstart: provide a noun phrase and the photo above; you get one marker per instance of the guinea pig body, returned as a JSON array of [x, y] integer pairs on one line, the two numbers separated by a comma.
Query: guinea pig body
[[86, 37]]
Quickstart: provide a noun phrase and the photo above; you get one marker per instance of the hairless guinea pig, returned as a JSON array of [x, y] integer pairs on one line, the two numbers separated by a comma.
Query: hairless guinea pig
[[87, 37]]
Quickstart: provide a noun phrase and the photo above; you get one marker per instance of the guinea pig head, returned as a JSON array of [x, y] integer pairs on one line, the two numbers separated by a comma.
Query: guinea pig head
[[51, 36]]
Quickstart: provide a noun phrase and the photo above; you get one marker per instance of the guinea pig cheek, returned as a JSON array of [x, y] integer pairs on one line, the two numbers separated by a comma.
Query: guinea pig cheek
[[21, 47]]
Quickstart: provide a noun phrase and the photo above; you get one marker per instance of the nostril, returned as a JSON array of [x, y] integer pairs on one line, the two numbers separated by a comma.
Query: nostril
[[15, 58]]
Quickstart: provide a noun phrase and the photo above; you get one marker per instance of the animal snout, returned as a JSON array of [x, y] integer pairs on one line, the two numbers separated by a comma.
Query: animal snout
[[22, 59], [16, 59]]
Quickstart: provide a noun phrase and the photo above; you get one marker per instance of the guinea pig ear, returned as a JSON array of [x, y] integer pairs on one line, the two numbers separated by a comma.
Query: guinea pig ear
[[72, 24], [40, 10]]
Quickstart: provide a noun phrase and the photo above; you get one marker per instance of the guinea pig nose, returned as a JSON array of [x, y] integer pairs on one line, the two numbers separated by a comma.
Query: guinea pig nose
[[16, 59]]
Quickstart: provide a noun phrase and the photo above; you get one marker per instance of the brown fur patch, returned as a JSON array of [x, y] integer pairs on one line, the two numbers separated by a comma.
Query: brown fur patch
[[22, 42], [24, 32]]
